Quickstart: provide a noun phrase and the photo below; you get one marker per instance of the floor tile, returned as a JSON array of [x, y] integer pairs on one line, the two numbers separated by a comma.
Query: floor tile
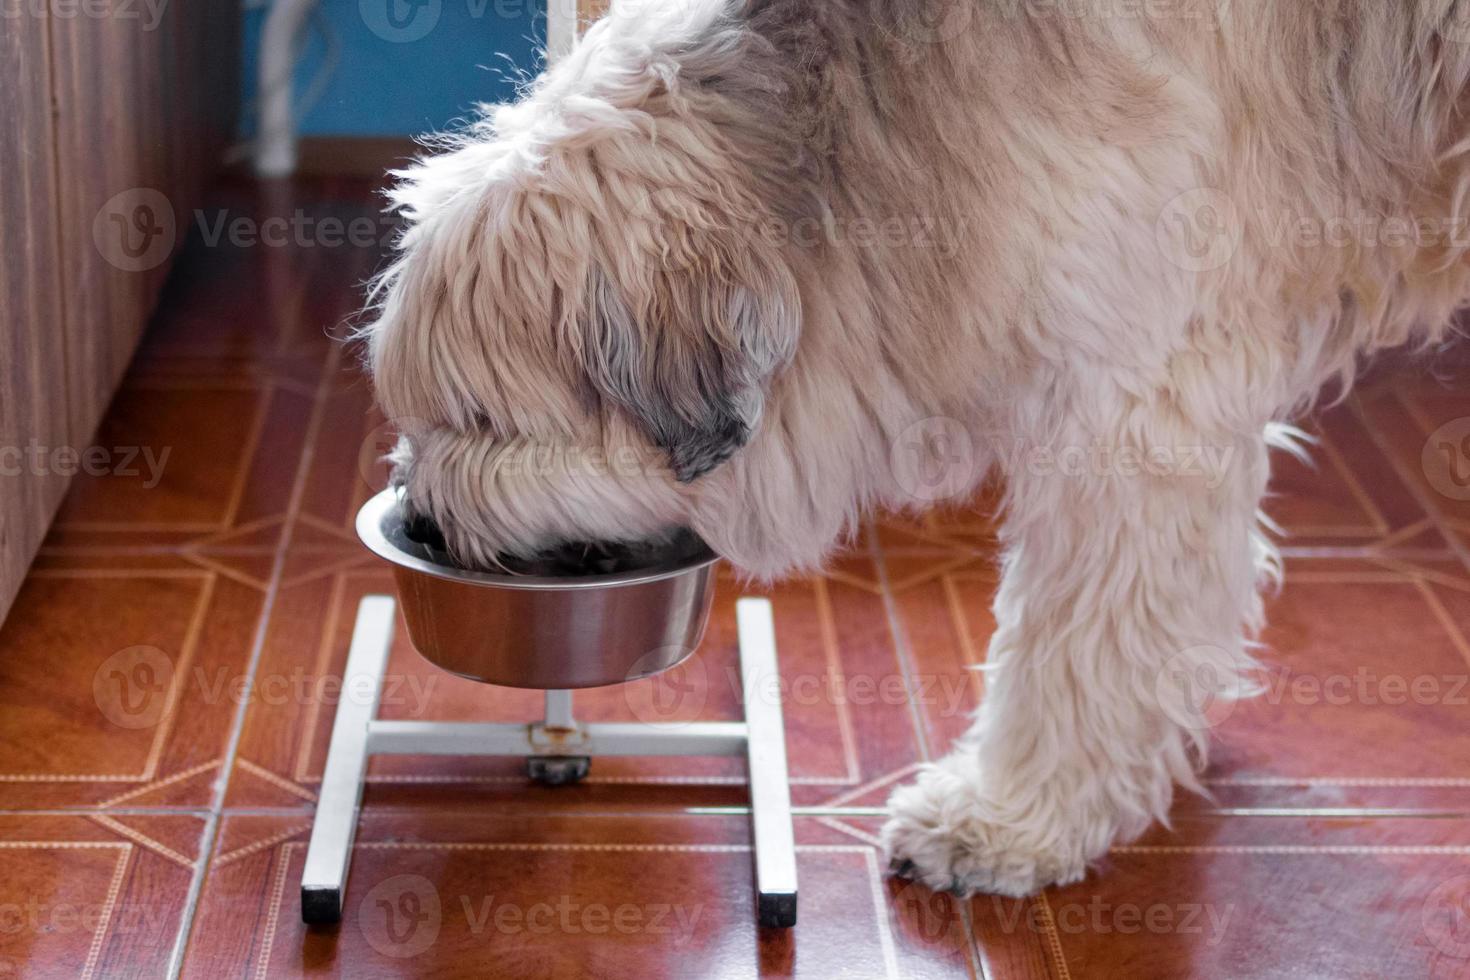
[[1347, 692], [196, 464], [93, 898], [1429, 429], [492, 896], [1249, 899], [1361, 660], [114, 681], [1347, 494]]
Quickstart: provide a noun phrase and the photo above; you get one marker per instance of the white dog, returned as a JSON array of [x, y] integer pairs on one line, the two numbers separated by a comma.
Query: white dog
[[732, 263]]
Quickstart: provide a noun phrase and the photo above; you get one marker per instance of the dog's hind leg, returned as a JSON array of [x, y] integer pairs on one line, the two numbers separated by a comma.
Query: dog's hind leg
[[1128, 599]]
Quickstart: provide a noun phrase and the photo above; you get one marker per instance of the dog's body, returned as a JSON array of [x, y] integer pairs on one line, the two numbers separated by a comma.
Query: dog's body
[[738, 265]]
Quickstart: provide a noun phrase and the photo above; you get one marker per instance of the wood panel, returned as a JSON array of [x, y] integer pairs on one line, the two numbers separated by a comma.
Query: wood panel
[[144, 111], [32, 398], [112, 124], [105, 200]]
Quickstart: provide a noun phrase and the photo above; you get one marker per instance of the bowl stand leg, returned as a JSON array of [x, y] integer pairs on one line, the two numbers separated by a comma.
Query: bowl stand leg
[[357, 733], [330, 851], [765, 752]]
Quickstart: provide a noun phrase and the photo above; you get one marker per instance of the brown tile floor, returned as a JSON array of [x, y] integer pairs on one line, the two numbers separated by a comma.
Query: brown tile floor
[[164, 717]]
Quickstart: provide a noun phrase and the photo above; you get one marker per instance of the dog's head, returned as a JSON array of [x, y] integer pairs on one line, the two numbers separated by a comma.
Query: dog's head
[[585, 319]]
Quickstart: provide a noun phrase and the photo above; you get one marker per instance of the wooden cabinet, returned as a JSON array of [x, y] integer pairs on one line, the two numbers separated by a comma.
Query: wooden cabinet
[[33, 400], [112, 119]]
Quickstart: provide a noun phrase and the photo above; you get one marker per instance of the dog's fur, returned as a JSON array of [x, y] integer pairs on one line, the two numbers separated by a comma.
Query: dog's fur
[[720, 265]]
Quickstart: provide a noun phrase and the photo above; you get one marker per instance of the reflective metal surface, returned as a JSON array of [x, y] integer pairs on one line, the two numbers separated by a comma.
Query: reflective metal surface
[[542, 633]]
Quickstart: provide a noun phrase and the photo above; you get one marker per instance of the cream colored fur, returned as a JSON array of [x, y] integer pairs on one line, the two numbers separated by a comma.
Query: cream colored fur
[[719, 265]]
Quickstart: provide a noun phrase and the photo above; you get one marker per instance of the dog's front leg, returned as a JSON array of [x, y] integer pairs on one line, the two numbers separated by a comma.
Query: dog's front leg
[[1128, 596]]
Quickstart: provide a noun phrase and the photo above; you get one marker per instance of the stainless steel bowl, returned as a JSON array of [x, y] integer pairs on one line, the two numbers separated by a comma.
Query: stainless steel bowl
[[542, 633]]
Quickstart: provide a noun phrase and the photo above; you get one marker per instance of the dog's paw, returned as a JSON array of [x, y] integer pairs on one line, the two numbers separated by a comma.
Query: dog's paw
[[943, 834]]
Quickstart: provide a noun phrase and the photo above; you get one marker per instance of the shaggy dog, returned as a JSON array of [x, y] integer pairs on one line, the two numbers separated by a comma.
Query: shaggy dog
[[756, 267]]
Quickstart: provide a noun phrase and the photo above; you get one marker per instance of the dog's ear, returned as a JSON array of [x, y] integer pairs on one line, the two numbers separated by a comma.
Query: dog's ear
[[683, 332]]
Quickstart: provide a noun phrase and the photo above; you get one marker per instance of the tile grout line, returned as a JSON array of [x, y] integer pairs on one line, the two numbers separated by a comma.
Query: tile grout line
[[1425, 501], [902, 650], [257, 652], [903, 653]]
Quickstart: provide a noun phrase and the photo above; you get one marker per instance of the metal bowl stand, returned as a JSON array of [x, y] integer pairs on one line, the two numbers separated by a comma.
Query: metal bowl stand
[[558, 751]]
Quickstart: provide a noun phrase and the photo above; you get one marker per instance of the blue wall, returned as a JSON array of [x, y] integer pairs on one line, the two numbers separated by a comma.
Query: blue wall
[[406, 67]]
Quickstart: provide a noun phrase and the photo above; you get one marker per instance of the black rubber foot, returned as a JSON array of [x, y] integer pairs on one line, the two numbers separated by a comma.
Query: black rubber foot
[[777, 911], [558, 770], [321, 906]]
